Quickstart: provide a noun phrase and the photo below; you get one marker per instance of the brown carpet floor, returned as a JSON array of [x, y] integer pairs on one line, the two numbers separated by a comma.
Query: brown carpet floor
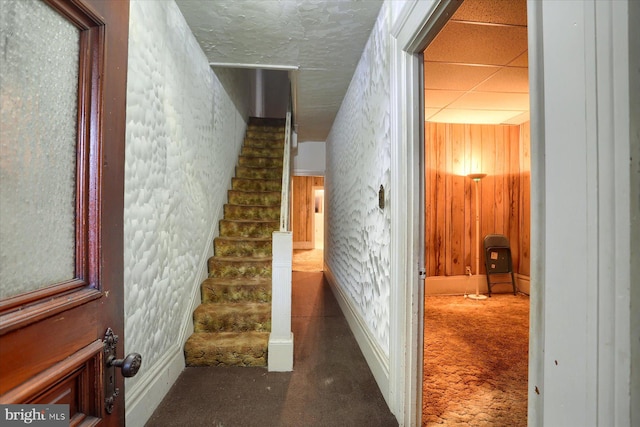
[[476, 361], [331, 384]]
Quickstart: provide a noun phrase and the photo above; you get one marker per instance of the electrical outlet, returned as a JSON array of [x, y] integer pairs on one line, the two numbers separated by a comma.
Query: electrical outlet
[[468, 270]]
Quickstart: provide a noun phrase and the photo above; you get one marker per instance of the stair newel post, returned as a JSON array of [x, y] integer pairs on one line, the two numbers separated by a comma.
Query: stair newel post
[[281, 339]]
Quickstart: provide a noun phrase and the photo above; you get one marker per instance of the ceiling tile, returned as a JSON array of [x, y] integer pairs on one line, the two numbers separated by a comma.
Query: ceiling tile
[[474, 116], [494, 11], [520, 61], [440, 98], [430, 112], [467, 43], [519, 119], [454, 76], [493, 100], [508, 79]]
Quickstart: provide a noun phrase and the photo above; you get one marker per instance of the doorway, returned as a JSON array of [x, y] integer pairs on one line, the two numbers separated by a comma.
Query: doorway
[[308, 223], [476, 110]]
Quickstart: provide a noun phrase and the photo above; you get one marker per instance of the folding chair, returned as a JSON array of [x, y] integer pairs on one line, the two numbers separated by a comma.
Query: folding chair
[[497, 259]]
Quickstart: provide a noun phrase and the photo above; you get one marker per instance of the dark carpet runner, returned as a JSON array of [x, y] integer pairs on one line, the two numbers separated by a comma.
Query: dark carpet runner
[[232, 325]]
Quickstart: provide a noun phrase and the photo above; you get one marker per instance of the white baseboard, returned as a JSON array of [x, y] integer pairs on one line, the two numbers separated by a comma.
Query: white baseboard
[[145, 396], [375, 356]]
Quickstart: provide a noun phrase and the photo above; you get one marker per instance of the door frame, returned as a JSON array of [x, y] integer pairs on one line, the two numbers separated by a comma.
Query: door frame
[[415, 29], [602, 227]]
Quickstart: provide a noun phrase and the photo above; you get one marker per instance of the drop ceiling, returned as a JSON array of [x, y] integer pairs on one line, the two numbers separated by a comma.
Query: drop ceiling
[[476, 68]]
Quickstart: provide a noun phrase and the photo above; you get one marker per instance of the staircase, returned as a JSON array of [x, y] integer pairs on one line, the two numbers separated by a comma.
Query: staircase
[[232, 325]]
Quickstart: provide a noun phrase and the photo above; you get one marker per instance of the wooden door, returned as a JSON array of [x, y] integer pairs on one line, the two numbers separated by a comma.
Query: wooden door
[[51, 336]]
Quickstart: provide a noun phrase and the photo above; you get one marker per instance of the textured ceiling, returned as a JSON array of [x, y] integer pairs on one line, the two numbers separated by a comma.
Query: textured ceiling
[[476, 69], [323, 39]]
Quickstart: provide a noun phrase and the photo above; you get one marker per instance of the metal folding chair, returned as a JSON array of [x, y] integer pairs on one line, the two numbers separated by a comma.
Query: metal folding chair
[[497, 259]]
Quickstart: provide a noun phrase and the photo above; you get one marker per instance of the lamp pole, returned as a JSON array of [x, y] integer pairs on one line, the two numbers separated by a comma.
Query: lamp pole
[[476, 177]]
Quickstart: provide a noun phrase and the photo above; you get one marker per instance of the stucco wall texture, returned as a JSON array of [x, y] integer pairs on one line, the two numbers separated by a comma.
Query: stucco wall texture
[[358, 162], [185, 127]]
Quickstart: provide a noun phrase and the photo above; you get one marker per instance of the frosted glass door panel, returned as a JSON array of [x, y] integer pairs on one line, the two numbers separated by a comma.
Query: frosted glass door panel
[[38, 121]]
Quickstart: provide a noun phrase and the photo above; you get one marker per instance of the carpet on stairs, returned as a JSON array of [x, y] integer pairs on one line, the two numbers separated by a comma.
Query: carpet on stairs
[[232, 325]]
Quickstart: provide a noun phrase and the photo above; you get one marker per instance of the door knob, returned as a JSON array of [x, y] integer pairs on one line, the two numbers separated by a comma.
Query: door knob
[[129, 366]]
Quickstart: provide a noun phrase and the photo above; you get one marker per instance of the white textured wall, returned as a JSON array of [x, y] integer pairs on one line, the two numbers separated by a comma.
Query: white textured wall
[[185, 126], [358, 159], [310, 158]]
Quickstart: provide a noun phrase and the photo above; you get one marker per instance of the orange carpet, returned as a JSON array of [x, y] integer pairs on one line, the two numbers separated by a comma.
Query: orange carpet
[[476, 361]]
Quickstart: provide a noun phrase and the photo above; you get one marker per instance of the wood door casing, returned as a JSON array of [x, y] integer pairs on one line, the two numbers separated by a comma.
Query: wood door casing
[[51, 347]]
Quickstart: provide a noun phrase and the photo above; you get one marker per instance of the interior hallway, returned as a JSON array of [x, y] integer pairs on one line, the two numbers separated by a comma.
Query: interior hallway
[[331, 384]]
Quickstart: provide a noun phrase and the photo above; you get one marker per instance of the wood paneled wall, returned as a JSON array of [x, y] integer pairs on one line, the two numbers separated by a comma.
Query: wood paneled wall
[[454, 150], [303, 209]]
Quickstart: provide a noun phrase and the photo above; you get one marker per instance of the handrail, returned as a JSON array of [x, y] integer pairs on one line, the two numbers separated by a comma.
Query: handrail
[[280, 349], [286, 175]]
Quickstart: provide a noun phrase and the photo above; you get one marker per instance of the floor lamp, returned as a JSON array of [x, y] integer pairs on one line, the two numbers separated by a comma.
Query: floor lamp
[[476, 177]]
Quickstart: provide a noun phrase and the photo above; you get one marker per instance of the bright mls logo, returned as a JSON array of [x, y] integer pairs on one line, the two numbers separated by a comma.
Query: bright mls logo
[[34, 415]]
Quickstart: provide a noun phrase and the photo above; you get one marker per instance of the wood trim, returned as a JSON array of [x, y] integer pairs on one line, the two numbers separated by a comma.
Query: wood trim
[[451, 152], [58, 297], [27, 351], [68, 382], [31, 390], [41, 310], [38, 294]]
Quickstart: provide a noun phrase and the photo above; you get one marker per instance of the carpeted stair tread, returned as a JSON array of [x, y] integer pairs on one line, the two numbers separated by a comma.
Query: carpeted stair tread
[[248, 228], [239, 266], [274, 134], [242, 246], [231, 326], [258, 173], [275, 143], [256, 184], [236, 289], [232, 317], [266, 152], [227, 349], [251, 213], [267, 121], [253, 198], [261, 162]]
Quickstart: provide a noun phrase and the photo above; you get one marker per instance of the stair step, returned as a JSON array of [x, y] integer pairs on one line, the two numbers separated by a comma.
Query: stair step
[[248, 228], [232, 317], [260, 162], [252, 213], [253, 198], [239, 267], [253, 289], [258, 173], [273, 134], [256, 184], [232, 324], [267, 121], [242, 246], [227, 349], [275, 143], [273, 152]]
